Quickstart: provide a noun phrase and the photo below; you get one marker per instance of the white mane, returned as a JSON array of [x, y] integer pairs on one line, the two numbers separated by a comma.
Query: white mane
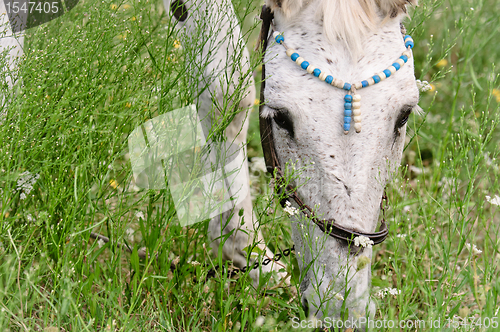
[[347, 20]]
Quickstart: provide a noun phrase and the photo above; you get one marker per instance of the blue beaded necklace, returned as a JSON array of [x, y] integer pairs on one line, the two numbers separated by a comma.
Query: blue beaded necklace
[[352, 105]]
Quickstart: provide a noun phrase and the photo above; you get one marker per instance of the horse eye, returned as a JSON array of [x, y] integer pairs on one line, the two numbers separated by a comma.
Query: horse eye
[[179, 10], [403, 116], [283, 120]]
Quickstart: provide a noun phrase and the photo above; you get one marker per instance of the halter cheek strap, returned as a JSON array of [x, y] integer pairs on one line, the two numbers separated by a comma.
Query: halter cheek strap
[[273, 165]]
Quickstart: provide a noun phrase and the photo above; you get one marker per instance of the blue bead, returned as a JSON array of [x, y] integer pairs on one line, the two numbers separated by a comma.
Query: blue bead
[[404, 58], [294, 56], [347, 106], [406, 37], [316, 72], [280, 39], [364, 84], [304, 65], [347, 119], [347, 126], [387, 72], [348, 98], [347, 86], [329, 79], [347, 112], [409, 44], [376, 78], [396, 65]]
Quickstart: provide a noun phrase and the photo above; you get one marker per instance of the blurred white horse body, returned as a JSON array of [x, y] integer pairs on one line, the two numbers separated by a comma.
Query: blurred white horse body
[[10, 43]]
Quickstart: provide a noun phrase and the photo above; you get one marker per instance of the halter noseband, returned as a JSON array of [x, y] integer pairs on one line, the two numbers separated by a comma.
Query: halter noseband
[[266, 134]]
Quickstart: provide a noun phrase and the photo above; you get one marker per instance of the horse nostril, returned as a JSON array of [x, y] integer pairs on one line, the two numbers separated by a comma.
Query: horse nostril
[[305, 306]]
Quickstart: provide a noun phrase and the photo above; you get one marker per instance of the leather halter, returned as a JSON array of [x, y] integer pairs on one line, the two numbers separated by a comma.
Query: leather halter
[[273, 166]]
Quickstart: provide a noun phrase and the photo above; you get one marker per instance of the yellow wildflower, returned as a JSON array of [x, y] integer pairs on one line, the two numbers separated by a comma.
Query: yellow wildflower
[[128, 104], [126, 6], [113, 6], [113, 184], [442, 63], [133, 18], [177, 44], [496, 93], [256, 102]]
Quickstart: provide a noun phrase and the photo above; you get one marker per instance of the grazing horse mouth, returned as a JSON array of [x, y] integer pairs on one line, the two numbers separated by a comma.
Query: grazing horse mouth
[[273, 165]]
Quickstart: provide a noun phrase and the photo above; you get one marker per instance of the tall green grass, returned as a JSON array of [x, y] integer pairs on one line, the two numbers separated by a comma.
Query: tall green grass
[[95, 74]]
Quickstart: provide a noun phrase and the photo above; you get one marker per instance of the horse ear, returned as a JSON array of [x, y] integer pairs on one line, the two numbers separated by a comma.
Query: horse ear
[[179, 10], [393, 8]]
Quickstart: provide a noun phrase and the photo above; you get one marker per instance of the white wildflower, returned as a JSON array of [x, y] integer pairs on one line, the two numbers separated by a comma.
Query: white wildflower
[[26, 182], [393, 291], [416, 170], [139, 215], [487, 159], [383, 292], [423, 86], [363, 241], [130, 234], [495, 200], [29, 217], [258, 164], [473, 248], [195, 263], [290, 209], [401, 236], [260, 321], [339, 297], [100, 243]]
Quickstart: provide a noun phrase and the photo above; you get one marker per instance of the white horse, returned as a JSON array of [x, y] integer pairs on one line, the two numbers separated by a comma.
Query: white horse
[[352, 40]]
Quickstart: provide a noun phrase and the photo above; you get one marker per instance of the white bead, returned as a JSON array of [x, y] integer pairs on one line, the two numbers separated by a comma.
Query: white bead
[[357, 126], [346, 132], [299, 60], [358, 85], [339, 84], [356, 111], [356, 105], [356, 97], [401, 62], [275, 34], [322, 76], [382, 76], [310, 69], [407, 53], [392, 69], [370, 81], [357, 118], [289, 52]]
